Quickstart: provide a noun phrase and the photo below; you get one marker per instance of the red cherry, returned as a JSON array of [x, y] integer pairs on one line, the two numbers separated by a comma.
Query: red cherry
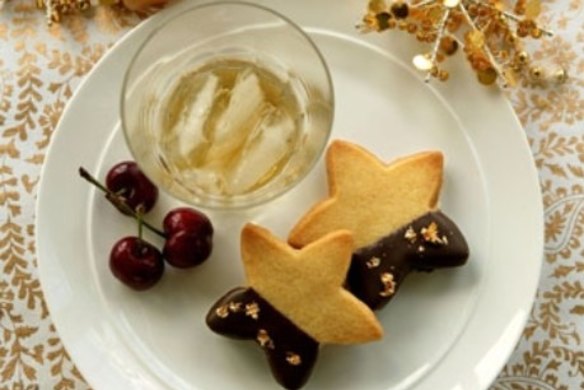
[[127, 180], [185, 218], [136, 263], [186, 249]]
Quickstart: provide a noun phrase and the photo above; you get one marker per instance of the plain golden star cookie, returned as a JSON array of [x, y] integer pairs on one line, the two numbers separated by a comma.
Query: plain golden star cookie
[[392, 211], [294, 302]]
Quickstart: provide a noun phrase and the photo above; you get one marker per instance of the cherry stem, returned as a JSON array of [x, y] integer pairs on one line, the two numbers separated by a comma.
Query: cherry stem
[[140, 222], [118, 202]]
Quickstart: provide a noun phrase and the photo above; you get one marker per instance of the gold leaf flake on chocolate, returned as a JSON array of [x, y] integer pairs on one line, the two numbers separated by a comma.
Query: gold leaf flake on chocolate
[[373, 262], [264, 339], [431, 234], [235, 307], [388, 284], [410, 235], [222, 311], [252, 310], [293, 358]]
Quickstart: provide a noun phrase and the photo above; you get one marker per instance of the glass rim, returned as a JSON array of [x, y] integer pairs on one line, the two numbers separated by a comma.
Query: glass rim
[[231, 203]]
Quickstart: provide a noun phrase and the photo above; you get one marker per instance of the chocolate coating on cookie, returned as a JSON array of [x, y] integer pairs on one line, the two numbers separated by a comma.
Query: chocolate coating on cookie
[[431, 241], [244, 314]]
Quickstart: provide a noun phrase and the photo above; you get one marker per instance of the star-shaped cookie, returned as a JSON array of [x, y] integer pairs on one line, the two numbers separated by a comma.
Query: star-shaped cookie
[[369, 197], [294, 302], [391, 209]]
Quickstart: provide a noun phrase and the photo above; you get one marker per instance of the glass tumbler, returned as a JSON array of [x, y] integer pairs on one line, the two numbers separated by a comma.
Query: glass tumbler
[[227, 105]]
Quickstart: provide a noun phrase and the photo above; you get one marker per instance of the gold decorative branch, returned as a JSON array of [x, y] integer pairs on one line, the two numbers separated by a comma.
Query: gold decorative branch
[[490, 35]]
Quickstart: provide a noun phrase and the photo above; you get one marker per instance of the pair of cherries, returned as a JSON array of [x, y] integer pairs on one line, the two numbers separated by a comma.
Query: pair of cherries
[[188, 233]]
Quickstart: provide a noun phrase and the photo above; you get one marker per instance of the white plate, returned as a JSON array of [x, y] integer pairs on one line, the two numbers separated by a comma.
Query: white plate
[[452, 329]]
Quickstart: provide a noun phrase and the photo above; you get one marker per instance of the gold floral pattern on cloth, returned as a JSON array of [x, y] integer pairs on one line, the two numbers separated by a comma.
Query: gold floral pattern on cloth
[[39, 69], [550, 354]]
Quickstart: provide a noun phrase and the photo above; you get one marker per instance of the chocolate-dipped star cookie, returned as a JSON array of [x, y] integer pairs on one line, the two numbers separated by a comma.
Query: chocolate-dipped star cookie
[[391, 209], [294, 302]]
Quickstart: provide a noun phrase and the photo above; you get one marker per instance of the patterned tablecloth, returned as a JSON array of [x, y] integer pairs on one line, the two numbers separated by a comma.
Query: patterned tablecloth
[[39, 69]]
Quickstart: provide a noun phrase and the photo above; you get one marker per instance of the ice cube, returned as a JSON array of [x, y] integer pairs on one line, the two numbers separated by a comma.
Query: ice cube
[[268, 145], [190, 126], [235, 124], [204, 180]]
